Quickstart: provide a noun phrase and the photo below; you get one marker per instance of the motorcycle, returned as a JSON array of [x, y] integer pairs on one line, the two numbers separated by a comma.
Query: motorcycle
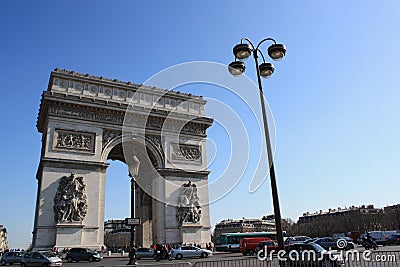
[[369, 244], [158, 255], [163, 254]]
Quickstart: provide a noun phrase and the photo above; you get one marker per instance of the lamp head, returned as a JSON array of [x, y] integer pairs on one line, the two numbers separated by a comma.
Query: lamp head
[[242, 51], [266, 70], [277, 51], [134, 170], [236, 68]]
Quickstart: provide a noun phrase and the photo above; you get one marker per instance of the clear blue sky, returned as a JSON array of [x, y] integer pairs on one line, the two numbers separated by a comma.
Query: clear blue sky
[[335, 97]]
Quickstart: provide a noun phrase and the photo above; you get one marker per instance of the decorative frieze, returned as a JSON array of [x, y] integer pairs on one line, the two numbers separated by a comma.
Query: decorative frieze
[[189, 209], [185, 152], [85, 115], [70, 201], [73, 140], [152, 122]]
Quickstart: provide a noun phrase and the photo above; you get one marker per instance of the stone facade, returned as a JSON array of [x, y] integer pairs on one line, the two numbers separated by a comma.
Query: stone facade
[[342, 220], [86, 120], [3, 239]]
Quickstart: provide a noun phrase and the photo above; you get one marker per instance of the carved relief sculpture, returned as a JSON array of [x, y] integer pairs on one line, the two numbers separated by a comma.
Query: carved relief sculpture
[[74, 140], [188, 209], [70, 202], [185, 152]]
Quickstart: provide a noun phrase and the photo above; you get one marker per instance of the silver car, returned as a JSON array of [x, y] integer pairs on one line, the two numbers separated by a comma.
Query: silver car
[[11, 257], [145, 253], [43, 259], [190, 252]]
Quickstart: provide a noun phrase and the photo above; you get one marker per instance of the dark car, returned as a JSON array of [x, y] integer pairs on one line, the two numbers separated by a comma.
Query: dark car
[[11, 257], [329, 243], [393, 239], [269, 245], [349, 242], [310, 254], [296, 239], [82, 254]]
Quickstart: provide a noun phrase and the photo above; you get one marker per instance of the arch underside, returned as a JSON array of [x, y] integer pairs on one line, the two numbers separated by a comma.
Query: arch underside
[[143, 201]]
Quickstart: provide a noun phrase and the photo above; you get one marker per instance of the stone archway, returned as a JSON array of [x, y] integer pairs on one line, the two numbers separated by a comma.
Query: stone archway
[[143, 201], [81, 119]]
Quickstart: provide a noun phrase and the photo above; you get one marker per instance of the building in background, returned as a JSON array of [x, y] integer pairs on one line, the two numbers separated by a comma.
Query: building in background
[[116, 235], [3, 239], [393, 216], [115, 225], [343, 220]]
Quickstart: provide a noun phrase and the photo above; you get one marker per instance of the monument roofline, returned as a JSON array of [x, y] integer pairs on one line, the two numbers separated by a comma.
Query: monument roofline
[[57, 72], [84, 92]]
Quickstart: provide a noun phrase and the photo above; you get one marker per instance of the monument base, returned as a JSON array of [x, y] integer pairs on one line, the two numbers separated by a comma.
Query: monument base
[[68, 235], [195, 234]]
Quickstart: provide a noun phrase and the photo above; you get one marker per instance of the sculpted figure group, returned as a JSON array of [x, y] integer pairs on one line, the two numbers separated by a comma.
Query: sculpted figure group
[[70, 202], [188, 209]]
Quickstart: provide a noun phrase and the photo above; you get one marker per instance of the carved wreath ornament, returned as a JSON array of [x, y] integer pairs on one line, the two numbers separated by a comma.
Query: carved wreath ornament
[[70, 202]]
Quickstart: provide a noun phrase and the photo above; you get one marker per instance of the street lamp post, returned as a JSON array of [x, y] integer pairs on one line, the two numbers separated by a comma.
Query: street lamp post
[[133, 173], [276, 51]]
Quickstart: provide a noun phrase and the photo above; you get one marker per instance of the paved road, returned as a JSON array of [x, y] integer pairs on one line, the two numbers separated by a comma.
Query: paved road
[[122, 261], [119, 261]]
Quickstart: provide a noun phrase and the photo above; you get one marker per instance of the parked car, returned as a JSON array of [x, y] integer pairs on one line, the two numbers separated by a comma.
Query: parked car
[[349, 240], [379, 237], [83, 254], [394, 239], [248, 245], [145, 253], [310, 254], [190, 252], [11, 257], [329, 243], [269, 245], [42, 259], [296, 239]]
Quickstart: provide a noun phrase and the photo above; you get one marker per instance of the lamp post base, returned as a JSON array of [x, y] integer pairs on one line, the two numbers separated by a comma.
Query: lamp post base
[[132, 257]]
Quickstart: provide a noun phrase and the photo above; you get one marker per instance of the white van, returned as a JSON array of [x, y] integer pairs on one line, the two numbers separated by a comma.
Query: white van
[[379, 237]]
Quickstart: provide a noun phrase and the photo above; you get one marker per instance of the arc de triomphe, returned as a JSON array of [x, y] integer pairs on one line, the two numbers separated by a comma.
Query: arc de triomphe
[[86, 120]]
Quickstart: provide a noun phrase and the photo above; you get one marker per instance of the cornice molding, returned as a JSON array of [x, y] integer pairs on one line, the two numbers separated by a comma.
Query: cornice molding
[[69, 164], [183, 173]]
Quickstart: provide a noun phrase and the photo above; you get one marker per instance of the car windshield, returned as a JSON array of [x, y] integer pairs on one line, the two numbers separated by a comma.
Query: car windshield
[[317, 247], [90, 250], [49, 254]]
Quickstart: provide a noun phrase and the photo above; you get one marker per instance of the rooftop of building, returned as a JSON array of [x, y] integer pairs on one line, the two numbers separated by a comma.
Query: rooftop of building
[[342, 210], [244, 221]]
